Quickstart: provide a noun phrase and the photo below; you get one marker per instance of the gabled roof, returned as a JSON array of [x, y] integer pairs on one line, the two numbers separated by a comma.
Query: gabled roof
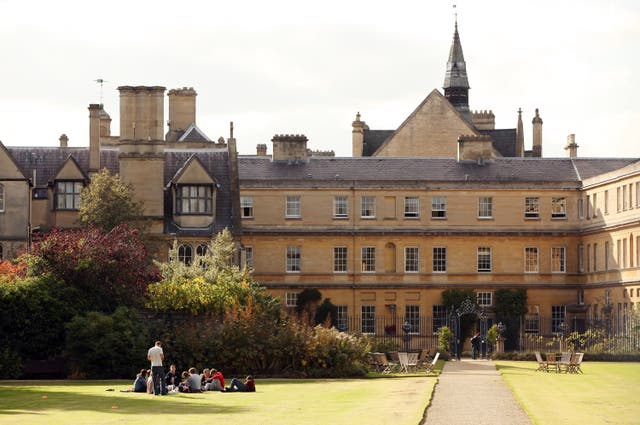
[[12, 159], [46, 161], [193, 159], [434, 94], [373, 139], [72, 160], [193, 134], [216, 162]]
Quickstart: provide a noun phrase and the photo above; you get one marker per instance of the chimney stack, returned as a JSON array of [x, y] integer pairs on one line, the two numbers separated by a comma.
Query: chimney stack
[[182, 108], [572, 147], [64, 140], [94, 137], [520, 135], [141, 112], [290, 148], [357, 136], [537, 135], [261, 149]]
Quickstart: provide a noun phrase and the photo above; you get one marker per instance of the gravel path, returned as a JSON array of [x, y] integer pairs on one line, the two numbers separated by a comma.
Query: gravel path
[[473, 392]]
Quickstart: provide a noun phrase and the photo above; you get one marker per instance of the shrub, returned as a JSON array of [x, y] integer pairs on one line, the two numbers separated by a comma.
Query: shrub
[[107, 269], [32, 318], [444, 338], [107, 346], [11, 363]]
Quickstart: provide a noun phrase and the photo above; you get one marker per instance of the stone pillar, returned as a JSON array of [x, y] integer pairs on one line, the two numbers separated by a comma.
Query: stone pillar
[[537, 135], [572, 147], [520, 135], [357, 136], [94, 138]]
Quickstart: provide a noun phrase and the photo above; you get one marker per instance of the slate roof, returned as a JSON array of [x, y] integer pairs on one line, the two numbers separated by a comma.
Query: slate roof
[[388, 171], [373, 139], [48, 160], [217, 164], [504, 140], [193, 134]]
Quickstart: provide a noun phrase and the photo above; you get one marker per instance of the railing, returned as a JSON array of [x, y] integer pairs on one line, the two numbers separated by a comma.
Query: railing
[[579, 334]]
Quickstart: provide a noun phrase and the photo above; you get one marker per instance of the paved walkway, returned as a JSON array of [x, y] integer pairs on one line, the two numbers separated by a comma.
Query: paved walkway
[[473, 392]]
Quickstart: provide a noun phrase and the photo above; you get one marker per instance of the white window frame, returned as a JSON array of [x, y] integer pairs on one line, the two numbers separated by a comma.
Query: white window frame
[[294, 259], [367, 206], [248, 256], [340, 259], [439, 317], [484, 299], [293, 206], [67, 195], [342, 317], [246, 206], [340, 207], [368, 319], [368, 259], [484, 256], [194, 199], [531, 260], [485, 207], [558, 315], [439, 259], [581, 258], [559, 208], [411, 259], [439, 207], [291, 299], [411, 207], [532, 207], [558, 259], [412, 317]]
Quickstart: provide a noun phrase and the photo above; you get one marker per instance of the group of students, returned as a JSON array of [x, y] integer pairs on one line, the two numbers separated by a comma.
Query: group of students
[[192, 382]]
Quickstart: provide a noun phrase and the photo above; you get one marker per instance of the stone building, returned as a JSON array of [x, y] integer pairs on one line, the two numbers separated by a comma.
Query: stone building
[[444, 201], [183, 178]]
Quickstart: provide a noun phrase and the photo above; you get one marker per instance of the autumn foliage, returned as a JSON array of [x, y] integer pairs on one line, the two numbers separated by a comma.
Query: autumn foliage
[[107, 268]]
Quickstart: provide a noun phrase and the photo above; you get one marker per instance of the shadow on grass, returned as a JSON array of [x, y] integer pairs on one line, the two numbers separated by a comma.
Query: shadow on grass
[[17, 400], [519, 370]]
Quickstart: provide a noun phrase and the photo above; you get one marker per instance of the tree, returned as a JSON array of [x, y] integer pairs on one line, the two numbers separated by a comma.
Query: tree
[[510, 306], [107, 269], [108, 202], [327, 313]]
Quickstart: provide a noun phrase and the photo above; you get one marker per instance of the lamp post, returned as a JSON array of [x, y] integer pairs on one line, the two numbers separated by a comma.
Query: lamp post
[[501, 329], [406, 327], [483, 332], [562, 327]]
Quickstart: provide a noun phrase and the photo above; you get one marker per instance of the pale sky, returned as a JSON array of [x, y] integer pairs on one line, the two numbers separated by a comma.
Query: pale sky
[[284, 66]]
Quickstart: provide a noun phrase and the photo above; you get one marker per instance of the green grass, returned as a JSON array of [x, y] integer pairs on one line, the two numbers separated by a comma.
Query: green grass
[[605, 394], [395, 400]]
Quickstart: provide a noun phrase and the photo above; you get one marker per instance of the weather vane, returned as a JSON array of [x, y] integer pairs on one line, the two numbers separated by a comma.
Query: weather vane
[[101, 82]]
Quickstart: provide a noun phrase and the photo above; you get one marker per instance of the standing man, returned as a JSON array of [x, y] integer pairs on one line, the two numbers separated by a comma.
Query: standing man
[[475, 345], [155, 355]]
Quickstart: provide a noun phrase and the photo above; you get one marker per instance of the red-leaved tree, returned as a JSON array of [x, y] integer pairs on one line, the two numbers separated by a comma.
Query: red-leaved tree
[[107, 269]]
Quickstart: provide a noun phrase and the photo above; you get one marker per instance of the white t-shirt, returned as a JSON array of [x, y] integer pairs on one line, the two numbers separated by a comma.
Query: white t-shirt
[[155, 353]]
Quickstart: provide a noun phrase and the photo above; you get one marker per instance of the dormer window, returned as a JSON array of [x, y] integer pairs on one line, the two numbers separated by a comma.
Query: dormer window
[[67, 195], [194, 199]]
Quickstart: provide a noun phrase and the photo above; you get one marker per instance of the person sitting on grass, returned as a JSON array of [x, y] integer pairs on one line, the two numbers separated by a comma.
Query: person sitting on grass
[[183, 387], [217, 380], [140, 384], [248, 386], [194, 380], [172, 378]]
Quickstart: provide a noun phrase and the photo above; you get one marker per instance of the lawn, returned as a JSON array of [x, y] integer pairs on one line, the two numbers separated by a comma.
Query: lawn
[[605, 394], [389, 400]]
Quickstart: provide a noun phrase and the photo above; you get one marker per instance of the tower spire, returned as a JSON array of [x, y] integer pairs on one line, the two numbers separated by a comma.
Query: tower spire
[[456, 83]]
